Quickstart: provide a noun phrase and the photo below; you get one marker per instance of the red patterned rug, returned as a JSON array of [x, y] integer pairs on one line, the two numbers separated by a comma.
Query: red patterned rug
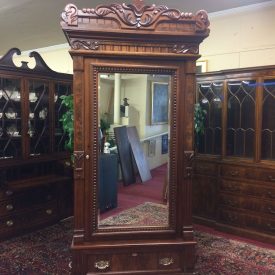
[[47, 252]]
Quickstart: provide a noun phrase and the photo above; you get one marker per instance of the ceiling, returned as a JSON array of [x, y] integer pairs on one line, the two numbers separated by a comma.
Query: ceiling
[[32, 24]]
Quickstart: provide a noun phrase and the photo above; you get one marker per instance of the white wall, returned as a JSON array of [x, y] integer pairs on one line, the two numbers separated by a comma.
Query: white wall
[[242, 37]]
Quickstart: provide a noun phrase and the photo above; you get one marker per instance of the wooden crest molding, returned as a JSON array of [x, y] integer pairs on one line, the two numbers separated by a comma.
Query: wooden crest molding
[[146, 24]]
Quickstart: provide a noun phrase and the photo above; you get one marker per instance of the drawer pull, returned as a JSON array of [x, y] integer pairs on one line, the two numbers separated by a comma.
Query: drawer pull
[[271, 195], [166, 261], [271, 178], [134, 254], [9, 223], [271, 227], [9, 192], [234, 173], [271, 210], [9, 207], [102, 265], [49, 211]]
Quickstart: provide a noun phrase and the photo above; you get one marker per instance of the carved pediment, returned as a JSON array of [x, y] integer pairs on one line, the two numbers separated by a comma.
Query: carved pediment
[[133, 20]]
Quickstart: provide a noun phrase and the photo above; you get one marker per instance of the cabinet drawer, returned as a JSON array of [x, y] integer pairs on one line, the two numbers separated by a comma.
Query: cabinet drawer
[[247, 203], [247, 221], [232, 171], [133, 261], [42, 193], [243, 188], [26, 200], [28, 219], [206, 168]]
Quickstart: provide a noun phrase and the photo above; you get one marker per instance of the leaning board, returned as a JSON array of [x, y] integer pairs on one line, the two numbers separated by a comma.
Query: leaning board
[[140, 159]]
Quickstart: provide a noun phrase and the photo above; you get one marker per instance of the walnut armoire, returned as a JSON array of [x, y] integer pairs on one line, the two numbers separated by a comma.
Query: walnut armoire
[[133, 39]]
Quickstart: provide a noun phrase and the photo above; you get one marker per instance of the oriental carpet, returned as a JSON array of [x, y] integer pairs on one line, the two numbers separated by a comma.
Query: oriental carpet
[[47, 251]]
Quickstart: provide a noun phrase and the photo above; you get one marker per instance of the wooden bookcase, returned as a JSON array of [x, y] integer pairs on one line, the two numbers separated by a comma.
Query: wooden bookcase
[[234, 177], [35, 181]]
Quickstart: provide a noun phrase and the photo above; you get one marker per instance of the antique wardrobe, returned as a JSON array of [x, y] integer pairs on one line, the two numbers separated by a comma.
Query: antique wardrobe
[[138, 43]]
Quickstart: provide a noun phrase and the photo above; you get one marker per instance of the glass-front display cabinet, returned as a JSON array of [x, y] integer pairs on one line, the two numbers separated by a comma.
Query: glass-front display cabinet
[[32, 140], [234, 167], [134, 75]]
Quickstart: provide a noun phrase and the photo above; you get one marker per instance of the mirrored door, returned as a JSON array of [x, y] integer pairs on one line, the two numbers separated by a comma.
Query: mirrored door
[[134, 134]]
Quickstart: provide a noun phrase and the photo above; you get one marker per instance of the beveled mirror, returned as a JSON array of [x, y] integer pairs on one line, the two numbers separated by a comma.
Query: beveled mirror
[[134, 88]]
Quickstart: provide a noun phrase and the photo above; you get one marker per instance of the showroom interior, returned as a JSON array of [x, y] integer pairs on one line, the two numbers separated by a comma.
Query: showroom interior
[[120, 154]]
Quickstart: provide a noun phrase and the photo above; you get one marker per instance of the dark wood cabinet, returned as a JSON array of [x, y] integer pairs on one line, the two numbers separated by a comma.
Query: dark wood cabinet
[[129, 43], [238, 145], [36, 182]]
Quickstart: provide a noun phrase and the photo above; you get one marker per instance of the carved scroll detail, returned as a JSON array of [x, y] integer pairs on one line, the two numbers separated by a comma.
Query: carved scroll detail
[[131, 15], [188, 164], [202, 22], [78, 164], [186, 48], [135, 15], [70, 15], [84, 44]]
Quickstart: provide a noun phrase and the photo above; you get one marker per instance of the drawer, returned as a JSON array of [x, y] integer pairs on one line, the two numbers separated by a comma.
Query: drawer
[[206, 168], [246, 203], [253, 222], [133, 261], [231, 171], [28, 219], [248, 189], [26, 200], [42, 193]]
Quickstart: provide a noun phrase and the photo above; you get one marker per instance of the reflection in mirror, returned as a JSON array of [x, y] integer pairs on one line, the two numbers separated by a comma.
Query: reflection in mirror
[[133, 154]]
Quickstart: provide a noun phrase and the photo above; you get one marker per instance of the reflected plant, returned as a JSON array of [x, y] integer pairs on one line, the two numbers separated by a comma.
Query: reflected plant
[[199, 122], [67, 120]]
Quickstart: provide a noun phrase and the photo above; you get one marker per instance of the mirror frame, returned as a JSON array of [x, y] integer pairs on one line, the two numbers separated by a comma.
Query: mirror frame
[[134, 69]]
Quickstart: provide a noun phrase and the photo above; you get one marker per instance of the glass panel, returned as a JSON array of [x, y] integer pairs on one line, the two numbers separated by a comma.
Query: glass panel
[[38, 123], [268, 121], [134, 158], [241, 118], [10, 118], [59, 110], [210, 97]]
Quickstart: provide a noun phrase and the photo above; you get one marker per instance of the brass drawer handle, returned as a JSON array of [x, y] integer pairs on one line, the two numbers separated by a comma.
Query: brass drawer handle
[[9, 192], [271, 178], [102, 265], [49, 211], [271, 210], [9, 223], [271, 195], [234, 173], [9, 207], [166, 261]]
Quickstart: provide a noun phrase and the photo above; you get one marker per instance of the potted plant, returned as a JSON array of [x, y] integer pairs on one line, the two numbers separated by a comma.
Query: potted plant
[[67, 120]]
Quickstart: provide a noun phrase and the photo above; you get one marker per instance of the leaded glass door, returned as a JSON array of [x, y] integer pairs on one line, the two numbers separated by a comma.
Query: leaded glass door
[[38, 121], [10, 118], [240, 132], [210, 98]]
